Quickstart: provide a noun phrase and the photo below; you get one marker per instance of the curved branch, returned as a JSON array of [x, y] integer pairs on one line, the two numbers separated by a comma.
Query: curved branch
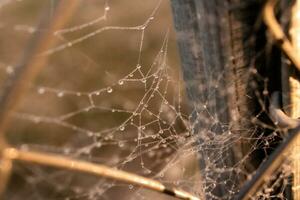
[[277, 32], [94, 169], [26, 71], [278, 116]]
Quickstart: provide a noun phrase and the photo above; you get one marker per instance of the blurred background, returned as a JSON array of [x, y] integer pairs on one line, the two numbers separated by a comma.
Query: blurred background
[[110, 93]]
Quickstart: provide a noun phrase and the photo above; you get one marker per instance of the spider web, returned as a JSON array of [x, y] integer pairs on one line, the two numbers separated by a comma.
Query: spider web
[[112, 94]]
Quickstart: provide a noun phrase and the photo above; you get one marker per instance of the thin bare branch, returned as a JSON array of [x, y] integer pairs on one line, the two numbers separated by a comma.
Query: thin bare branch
[[294, 95], [17, 84], [278, 34], [31, 63], [278, 116], [270, 166], [95, 169]]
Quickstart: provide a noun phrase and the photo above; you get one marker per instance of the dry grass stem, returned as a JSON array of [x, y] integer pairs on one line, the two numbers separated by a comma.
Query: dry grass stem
[[94, 169], [17, 84], [278, 34]]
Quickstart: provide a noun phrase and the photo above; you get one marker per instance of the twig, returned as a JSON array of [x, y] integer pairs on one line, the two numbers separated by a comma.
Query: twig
[[278, 117], [278, 34], [95, 169], [269, 167], [16, 85], [291, 49], [294, 95]]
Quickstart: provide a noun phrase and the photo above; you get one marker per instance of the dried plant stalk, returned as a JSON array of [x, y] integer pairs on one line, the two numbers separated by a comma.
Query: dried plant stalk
[[292, 50], [294, 97], [284, 150], [31, 62], [270, 166], [29, 66], [95, 169], [277, 32]]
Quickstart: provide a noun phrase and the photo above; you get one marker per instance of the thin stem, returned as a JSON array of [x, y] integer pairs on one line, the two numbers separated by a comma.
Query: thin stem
[[294, 95], [17, 84], [270, 166], [94, 169], [278, 34], [291, 49]]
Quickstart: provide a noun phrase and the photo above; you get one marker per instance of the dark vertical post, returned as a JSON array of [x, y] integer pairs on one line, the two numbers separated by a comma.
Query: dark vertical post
[[216, 56], [200, 37]]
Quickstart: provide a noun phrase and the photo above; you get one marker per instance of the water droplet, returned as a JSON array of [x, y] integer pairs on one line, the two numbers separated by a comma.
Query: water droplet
[[9, 69], [265, 92], [139, 66], [121, 144], [98, 144], [109, 90], [254, 71], [130, 187], [41, 90], [120, 82], [144, 80], [107, 8], [60, 94], [160, 131], [122, 128]]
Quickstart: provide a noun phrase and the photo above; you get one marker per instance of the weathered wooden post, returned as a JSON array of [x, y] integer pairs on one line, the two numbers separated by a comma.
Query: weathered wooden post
[[217, 54]]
